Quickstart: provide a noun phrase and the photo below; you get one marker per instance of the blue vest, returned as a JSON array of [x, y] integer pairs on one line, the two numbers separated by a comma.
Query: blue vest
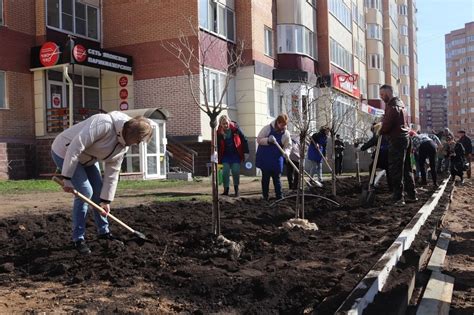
[[313, 153], [269, 157]]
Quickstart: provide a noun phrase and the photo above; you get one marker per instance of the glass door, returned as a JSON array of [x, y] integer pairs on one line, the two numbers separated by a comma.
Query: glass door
[[151, 156]]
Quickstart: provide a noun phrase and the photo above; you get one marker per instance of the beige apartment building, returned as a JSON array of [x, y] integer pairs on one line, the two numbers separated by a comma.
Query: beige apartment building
[[460, 78], [392, 52]]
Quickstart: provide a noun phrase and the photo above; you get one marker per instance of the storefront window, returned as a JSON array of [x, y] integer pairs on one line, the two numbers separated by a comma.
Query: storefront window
[[73, 16]]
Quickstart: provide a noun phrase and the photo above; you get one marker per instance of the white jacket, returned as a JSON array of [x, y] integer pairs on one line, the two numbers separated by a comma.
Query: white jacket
[[98, 138], [262, 138]]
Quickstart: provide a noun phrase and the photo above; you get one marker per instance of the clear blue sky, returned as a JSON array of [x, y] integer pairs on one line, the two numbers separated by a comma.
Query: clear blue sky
[[435, 19]]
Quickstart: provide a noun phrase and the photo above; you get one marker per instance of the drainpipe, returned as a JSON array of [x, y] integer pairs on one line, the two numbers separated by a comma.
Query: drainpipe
[[71, 106]]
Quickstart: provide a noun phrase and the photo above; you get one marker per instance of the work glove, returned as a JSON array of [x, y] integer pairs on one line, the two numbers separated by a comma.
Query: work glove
[[106, 208], [271, 139], [246, 156], [286, 156], [377, 128]]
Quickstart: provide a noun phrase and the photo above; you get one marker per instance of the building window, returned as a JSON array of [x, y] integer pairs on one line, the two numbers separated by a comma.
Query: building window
[[270, 102], [395, 70], [374, 31], [375, 61], [373, 4], [340, 56], [403, 9], [405, 70], [268, 41], [405, 90], [374, 91], [73, 16], [215, 84], [217, 18], [404, 50], [295, 39], [3, 88], [404, 30], [1, 12], [341, 12], [394, 40]]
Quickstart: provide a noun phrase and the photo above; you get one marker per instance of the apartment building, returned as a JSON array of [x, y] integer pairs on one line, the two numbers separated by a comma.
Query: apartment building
[[433, 108], [392, 52], [111, 54], [460, 78]]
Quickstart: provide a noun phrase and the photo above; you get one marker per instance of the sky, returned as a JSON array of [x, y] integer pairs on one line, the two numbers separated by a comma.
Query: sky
[[435, 19]]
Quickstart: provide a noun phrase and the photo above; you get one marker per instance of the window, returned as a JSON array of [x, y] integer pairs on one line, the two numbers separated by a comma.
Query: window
[[404, 50], [404, 30], [3, 101], [270, 102], [295, 39], [394, 40], [405, 90], [374, 91], [341, 12], [395, 70], [340, 56], [217, 18], [73, 16], [373, 4], [374, 31], [215, 84], [1, 12], [403, 9], [375, 61], [405, 70], [268, 42]]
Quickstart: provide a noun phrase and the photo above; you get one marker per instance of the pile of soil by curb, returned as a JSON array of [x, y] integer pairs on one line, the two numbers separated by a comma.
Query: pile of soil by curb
[[279, 271]]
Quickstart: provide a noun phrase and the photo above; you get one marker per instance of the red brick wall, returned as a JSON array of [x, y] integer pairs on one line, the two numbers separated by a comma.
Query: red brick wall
[[171, 93]]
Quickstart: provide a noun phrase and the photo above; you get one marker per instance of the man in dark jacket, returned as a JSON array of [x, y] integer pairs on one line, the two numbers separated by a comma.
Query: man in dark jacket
[[467, 144], [395, 126], [339, 149]]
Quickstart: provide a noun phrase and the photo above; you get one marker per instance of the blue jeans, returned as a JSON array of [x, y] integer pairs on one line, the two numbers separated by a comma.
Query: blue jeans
[[266, 175], [316, 168], [88, 181]]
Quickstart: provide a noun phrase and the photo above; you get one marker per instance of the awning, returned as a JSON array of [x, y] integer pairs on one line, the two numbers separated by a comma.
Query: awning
[[151, 113]]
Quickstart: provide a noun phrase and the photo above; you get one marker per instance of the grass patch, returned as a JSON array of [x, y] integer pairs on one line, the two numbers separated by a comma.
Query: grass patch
[[44, 185]]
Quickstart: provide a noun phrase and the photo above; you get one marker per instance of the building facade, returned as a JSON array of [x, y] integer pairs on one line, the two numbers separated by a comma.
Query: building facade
[[433, 108], [112, 55], [460, 78]]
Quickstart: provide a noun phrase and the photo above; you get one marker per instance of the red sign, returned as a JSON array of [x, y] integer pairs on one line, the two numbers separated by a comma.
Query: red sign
[[123, 81], [49, 54], [123, 106], [123, 94], [344, 83], [80, 53]]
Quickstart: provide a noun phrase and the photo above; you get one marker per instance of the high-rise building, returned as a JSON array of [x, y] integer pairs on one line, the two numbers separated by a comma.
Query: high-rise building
[[433, 108], [392, 52], [460, 78]]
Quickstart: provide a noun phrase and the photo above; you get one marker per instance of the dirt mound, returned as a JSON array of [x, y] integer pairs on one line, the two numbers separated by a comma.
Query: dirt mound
[[279, 271]]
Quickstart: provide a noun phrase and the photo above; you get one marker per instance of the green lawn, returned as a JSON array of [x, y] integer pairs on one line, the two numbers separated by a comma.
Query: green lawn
[[42, 185]]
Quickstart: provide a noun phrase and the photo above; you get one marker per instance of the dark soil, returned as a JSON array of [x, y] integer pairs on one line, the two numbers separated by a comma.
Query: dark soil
[[279, 271]]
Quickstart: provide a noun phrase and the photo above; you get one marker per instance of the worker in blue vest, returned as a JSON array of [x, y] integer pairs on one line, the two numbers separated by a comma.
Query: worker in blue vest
[[269, 158]]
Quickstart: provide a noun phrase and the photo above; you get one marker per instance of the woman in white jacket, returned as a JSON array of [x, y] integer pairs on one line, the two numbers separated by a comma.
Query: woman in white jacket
[[77, 151]]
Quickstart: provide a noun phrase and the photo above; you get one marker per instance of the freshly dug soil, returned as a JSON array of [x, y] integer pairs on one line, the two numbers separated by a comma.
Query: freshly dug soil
[[279, 271]]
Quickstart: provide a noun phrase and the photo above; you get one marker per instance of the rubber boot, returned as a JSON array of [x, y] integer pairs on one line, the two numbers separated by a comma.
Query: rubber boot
[[226, 191], [237, 193]]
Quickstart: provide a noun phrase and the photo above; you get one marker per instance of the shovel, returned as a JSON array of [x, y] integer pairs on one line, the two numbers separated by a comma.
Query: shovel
[[311, 183], [101, 211], [368, 195]]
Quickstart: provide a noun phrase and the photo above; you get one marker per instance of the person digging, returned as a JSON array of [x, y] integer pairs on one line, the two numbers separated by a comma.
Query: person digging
[[77, 151]]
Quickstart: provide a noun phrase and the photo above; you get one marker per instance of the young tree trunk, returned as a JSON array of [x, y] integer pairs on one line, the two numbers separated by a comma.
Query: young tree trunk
[[216, 220], [333, 171], [357, 166]]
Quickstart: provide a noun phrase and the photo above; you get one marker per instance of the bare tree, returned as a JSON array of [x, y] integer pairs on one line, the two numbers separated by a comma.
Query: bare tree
[[196, 52]]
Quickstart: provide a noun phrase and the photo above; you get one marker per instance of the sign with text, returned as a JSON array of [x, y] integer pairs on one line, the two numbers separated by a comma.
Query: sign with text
[[49, 54], [343, 83]]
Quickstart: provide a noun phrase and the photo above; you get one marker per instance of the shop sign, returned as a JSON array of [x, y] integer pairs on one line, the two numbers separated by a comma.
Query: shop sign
[[80, 53], [371, 110], [49, 54], [123, 81], [56, 100], [344, 83], [123, 94], [124, 106]]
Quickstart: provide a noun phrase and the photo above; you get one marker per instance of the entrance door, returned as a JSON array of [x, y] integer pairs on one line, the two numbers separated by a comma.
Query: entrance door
[[56, 108], [154, 158]]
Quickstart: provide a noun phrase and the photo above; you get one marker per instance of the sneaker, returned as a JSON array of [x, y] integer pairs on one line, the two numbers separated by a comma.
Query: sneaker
[[110, 237], [399, 203], [81, 247]]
